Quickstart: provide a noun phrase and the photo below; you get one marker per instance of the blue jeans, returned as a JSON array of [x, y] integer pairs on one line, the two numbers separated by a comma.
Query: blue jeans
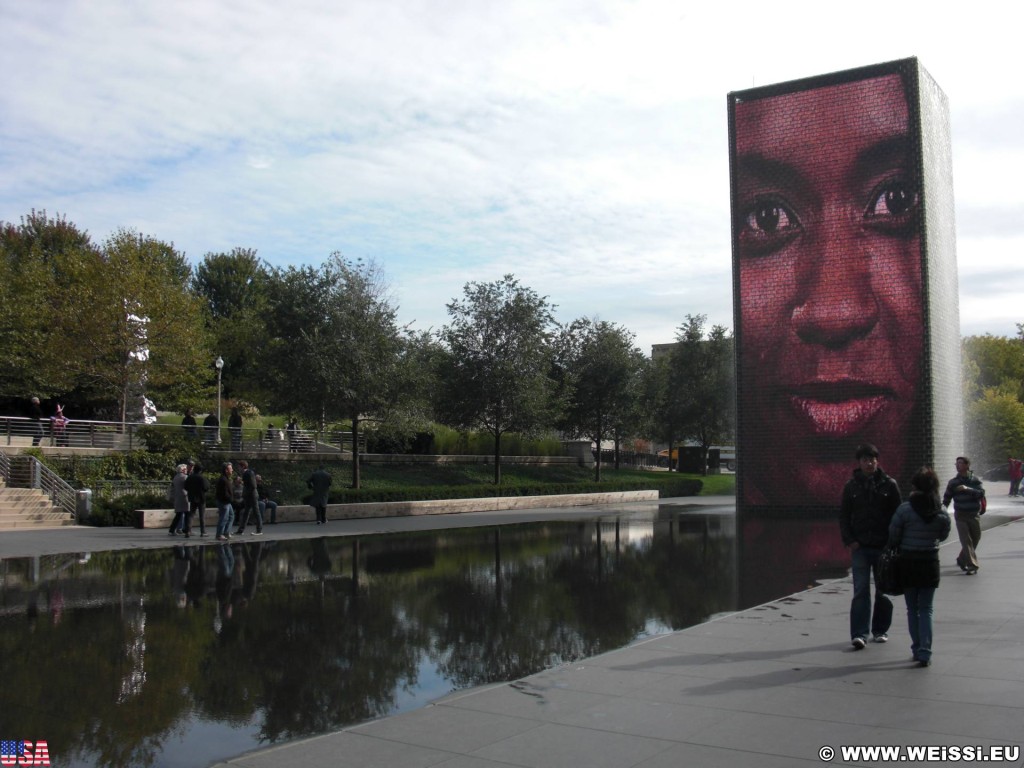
[[864, 621], [225, 516], [919, 618]]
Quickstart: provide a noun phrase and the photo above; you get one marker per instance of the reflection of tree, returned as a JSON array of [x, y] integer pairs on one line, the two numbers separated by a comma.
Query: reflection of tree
[[304, 650], [308, 663]]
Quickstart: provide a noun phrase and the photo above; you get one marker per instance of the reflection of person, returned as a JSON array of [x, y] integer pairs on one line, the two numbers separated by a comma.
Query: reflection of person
[[919, 525], [869, 499], [1016, 475], [828, 255], [319, 482], [968, 496], [179, 575]]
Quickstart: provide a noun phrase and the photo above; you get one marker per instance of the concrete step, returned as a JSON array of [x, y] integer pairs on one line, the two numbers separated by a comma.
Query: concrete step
[[22, 524], [29, 508]]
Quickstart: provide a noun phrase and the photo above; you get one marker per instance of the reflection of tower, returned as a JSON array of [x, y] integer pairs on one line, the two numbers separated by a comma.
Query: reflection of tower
[[778, 556]]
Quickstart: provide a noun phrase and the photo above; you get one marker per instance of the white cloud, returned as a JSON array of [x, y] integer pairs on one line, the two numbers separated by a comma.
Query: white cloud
[[580, 145]]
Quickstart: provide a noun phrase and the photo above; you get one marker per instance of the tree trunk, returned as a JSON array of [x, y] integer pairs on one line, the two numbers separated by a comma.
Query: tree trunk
[[497, 458], [597, 464], [355, 451]]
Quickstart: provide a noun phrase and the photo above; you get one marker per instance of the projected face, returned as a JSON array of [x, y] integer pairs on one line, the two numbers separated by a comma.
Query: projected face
[[827, 207]]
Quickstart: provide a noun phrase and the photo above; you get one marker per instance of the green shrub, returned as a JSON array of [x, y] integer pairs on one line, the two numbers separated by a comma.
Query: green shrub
[[119, 511], [170, 442]]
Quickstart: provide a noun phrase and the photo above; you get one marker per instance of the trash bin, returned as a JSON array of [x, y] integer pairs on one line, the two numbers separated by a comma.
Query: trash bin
[[83, 505]]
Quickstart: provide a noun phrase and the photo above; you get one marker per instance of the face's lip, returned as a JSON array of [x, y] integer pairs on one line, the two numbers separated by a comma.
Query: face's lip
[[837, 408]]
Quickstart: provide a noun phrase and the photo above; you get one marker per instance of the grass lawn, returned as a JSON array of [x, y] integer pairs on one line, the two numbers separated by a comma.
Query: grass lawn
[[288, 480]]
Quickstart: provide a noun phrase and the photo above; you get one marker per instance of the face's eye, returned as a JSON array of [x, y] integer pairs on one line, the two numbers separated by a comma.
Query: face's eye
[[767, 226], [893, 205], [769, 218]]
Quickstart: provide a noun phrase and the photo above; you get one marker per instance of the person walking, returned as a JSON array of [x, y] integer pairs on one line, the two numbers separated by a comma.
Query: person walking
[[919, 525], [1016, 475], [197, 486], [235, 428], [36, 416], [188, 423], [319, 482], [225, 512], [268, 507], [211, 429], [180, 500], [968, 497], [869, 500], [250, 501]]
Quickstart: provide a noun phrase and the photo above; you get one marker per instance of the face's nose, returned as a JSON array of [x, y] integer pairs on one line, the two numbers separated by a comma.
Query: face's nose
[[836, 302]]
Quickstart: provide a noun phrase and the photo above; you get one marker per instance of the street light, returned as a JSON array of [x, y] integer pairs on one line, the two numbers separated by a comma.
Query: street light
[[219, 364]]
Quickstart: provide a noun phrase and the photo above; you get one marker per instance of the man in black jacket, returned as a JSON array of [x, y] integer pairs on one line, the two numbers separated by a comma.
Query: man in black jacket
[[250, 502], [968, 497], [197, 486], [870, 498]]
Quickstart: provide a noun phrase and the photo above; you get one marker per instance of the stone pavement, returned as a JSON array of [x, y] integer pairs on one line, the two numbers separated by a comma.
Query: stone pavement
[[775, 685]]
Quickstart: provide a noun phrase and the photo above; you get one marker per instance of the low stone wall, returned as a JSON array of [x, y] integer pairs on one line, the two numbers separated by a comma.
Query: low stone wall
[[161, 518]]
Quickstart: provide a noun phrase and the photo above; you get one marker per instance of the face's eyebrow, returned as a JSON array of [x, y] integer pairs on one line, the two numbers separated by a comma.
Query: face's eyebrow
[[890, 152], [755, 168]]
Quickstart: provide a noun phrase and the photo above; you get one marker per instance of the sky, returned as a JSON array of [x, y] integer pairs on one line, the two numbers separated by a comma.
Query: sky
[[581, 146]]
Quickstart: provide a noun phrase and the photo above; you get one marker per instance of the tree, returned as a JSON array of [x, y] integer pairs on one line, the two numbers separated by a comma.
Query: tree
[[40, 260], [132, 324], [597, 366], [495, 371], [995, 427], [235, 289], [704, 391], [993, 361], [335, 327]]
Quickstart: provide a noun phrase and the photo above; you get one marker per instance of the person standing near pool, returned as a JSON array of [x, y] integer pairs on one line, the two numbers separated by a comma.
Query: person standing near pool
[[225, 512]]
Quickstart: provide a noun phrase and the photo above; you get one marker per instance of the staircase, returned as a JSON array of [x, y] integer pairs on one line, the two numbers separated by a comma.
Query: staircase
[[22, 508], [28, 508]]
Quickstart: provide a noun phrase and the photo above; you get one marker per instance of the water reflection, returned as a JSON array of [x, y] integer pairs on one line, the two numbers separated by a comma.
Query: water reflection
[[188, 655]]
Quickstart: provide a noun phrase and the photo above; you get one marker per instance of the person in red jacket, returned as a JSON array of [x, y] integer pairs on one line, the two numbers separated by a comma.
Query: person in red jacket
[[1016, 473]]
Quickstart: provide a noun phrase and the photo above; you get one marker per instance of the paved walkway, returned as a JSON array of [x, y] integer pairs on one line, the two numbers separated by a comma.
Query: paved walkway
[[776, 685]]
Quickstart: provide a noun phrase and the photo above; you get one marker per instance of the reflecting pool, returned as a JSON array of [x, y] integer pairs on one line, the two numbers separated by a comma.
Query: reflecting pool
[[191, 654]]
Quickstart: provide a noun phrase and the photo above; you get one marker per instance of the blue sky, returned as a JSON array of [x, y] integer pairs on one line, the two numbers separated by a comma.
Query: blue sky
[[581, 146]]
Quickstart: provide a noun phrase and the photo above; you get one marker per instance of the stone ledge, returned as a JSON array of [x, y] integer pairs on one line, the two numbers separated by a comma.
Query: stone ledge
[[161, 518]]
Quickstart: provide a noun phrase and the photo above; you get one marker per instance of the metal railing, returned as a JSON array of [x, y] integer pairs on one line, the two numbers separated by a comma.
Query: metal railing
[[29, 472], [23, 432]]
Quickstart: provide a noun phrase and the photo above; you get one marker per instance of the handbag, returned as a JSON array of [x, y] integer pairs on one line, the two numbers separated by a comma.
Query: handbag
[[888, 579]]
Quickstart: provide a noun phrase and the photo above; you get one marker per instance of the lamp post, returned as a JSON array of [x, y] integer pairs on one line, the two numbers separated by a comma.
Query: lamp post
[[219, 364]]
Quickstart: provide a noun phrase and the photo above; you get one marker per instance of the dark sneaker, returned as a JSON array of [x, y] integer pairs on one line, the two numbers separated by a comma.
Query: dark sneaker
[[256, 533], [858, 643]]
